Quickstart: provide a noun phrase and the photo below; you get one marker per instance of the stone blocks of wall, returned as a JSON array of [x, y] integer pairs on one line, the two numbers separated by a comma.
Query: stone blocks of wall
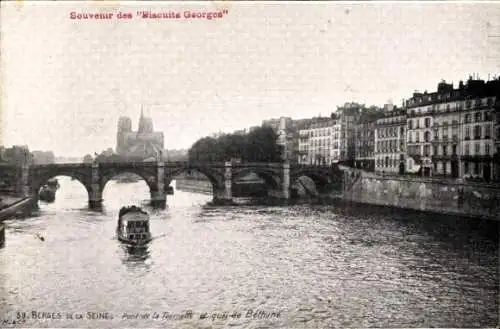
[[425, 195]]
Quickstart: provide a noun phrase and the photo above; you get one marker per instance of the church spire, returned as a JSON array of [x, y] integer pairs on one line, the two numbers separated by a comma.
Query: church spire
[[142, 123]]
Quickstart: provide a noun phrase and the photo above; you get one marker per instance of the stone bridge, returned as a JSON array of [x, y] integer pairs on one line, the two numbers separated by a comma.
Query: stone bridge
[[278, 177]]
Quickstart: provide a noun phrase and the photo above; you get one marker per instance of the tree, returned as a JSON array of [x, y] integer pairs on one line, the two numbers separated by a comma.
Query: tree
[[259, 146], [204, 150], [88, 159]]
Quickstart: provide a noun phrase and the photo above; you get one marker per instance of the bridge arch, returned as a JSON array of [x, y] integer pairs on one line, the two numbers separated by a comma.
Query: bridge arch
[[41, 178], [324, 179], [150, 178], [215, 178], [271, 177]]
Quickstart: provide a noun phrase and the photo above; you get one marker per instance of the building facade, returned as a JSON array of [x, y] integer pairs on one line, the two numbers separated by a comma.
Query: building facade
[[419, 134], [348, 114], [364, 142], [477, 143], [143, 144], [319, 144], [390, 142], [287, 138], [451, 131]]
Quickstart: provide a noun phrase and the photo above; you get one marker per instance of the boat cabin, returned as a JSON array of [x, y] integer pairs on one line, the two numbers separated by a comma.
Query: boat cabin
[[133, 224]]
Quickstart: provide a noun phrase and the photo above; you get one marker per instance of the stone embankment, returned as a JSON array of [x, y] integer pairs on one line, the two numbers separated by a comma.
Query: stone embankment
[[444, 196], [193, 185]]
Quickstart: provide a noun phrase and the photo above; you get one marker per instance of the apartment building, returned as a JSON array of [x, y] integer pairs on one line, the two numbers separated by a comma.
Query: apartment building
[[450, 131], [478, 139], [319, 144], [364, 142], [348, 115], [390, 141]]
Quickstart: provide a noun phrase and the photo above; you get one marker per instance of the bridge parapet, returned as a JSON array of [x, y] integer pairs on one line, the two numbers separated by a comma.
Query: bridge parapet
[[62, 165], [258, 165]]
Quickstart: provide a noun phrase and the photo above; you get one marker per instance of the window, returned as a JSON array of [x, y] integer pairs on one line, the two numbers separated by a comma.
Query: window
[[467, 133], [477, 132], [445, 133], [477, 117], [487, 149], [436, 134], [428, 122], [487, 131], [476, 168], [445, 150], [417, 137], [477, 149], [427, 136], [417, 124], [467, 149], [468, 118], [435, 150], [410, 124], [488, 116], [490, 102], [427, 150]]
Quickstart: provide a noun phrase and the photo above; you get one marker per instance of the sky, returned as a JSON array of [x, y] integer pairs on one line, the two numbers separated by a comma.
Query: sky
[[65, 82]]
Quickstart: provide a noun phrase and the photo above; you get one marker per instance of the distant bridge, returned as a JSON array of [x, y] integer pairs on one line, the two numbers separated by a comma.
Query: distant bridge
[[278, 177]]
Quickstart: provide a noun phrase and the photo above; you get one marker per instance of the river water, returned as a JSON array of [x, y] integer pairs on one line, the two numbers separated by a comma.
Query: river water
[[246, 267]]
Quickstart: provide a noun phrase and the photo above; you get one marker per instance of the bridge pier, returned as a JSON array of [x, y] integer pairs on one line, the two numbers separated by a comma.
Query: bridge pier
[[283, 193], [224, 195], [95, 199], [158, 196], [23, 188], [286, 181], [158, 199]]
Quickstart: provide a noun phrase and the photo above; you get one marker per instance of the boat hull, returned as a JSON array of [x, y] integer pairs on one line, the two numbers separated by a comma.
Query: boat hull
[[47, 195], [140, 242]]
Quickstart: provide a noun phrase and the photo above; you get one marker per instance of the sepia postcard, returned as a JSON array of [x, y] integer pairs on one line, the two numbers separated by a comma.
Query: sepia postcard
[[249, 164]]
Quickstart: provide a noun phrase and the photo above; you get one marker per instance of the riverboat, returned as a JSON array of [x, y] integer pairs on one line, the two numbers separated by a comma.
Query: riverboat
[[133, 226], [48, 191]]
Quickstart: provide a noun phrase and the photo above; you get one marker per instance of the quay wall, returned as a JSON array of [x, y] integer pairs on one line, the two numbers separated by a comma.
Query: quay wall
[[205, 187], [193, 185], [430, 195]]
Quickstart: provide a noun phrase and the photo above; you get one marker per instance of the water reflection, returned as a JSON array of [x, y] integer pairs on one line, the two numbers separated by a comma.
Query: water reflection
[[135, 254], [321, 266]]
